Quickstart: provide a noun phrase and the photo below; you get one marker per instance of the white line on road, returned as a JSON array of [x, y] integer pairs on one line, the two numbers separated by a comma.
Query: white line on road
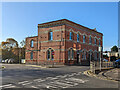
[[59, 76], [27, 83], [10, 87], [54, 85], [61, 83], [22, 82], [41, 80], [37, 79], [53, 78], [34, 87], [77, 80], [49, 77], [6, 85]]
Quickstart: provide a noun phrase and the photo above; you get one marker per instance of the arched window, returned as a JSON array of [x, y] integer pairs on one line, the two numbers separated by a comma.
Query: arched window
[[95, 55], [50, 54], [70, 54], [83, 38], [90, 40], [71, 36], [31, 55], [85, 55], [95, 41], [78, 37], [50, 35], [32, 43], [90, 55]]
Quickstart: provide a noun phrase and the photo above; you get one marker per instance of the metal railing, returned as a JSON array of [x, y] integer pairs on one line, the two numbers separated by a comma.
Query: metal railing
[[95, 65]]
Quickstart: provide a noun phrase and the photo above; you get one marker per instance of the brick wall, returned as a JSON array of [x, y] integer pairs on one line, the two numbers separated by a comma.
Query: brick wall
[[61, 43]]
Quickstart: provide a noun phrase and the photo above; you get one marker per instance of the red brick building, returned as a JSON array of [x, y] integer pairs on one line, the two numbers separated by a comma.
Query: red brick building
[[63, 42]]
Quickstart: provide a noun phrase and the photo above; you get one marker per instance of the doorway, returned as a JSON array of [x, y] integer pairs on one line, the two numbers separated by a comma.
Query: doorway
[[77, 59]]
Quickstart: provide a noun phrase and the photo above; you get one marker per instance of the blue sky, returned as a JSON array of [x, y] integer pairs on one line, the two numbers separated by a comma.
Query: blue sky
[[20, 20]]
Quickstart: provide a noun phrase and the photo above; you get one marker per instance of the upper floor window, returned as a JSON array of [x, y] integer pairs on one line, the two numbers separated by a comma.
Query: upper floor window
[[95, 41], [90, 40], [50, 54], [32, 43], [78, 37], [71, 36], [70, 54], [31, 55], [51, 35], [99, 43], [83, 38]]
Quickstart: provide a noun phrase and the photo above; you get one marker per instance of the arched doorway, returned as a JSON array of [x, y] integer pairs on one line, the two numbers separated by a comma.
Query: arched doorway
[[78, 56]]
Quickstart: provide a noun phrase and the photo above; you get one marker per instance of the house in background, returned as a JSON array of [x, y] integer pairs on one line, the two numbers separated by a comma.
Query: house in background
[[63, 42], [111, 55]]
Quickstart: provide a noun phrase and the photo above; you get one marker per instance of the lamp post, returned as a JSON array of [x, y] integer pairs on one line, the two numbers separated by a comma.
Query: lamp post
[[100, 50]]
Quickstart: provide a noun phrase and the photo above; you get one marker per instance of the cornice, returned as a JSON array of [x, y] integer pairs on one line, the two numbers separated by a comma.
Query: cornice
[[66, 22]]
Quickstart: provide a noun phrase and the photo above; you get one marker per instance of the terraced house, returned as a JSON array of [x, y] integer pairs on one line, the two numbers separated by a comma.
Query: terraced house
[[63, 42]]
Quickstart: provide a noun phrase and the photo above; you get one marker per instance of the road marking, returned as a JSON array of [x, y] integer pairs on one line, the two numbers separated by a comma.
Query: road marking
[[42, 85], [64, 76], [42, 80], [61, 83], [34, 87], [77, 80], [51, 86], [53, 78], [10, 87], [68, 82], [70, 75], [54, 85], [22, 82], [37, 79], [27, 83], [6, 85], [59, 76], [49, 77]]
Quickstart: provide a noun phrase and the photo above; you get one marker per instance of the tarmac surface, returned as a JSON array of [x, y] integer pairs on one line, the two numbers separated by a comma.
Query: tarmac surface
[[28, 76]]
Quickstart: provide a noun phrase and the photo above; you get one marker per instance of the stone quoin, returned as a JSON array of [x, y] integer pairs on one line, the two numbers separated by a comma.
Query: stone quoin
[[63, 42]]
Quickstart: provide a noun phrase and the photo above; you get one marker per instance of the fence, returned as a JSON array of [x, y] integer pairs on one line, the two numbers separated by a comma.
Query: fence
[[95, 65]]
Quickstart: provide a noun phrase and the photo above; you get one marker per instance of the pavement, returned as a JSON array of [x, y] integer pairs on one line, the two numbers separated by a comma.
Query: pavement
[[111, 74], [32, 76]]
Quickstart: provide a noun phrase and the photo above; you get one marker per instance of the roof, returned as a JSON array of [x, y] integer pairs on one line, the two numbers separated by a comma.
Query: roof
[[63, 21], [32, 37]]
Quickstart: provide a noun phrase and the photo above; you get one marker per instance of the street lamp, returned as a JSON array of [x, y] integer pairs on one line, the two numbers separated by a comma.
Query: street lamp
[[100, 50]]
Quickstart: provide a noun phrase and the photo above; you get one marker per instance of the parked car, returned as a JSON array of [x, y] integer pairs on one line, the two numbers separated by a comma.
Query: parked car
[[11, 60], [6, 60], [3, 61], [117, 63], [105, 60]]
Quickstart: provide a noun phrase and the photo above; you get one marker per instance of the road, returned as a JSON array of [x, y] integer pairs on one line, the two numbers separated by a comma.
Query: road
[[23, 76]]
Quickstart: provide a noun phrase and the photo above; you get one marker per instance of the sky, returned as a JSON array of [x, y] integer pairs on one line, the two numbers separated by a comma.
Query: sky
[[20, 19]]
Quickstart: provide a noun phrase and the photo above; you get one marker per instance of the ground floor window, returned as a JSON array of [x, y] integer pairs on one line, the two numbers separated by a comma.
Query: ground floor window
[[84, 54], [50, 54], [95, 56], [31, 55], [70, 54]]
